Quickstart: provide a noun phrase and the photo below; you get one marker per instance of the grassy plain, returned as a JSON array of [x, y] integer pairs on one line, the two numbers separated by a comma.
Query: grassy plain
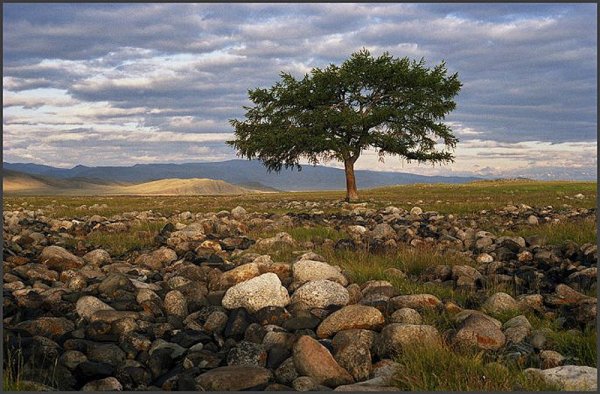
[[420, 368], [469, 198]]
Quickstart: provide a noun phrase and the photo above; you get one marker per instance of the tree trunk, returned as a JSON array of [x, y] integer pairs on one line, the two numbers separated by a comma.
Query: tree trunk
[[351, 193]]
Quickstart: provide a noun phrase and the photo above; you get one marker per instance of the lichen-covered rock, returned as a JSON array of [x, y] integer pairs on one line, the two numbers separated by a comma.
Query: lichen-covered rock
[[415, 301], [396, 336], [107, 384], [59, 259], [157, 259], [350, 317], [234, 378], [500, 302], [51, 327], [237, 275], [238, 212], [569, 377], [406, 316], [320, 294], [86, 306], [479, 331], [352, 350], [97, 257], [175, 304], [254, 294], [308, 270]]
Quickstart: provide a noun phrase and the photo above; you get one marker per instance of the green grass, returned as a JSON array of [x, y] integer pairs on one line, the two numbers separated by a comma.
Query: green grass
[[412, 260], [304, 234], [581, 346], [12, 369], [439, 368], [579, 231], [139, 237], [467, 198]]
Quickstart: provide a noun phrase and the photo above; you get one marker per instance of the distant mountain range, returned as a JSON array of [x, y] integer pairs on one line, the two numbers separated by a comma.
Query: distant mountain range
[[247, 173]]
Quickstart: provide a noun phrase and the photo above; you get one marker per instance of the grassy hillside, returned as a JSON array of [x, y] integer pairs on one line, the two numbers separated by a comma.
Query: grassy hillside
[[182, 186], [25, 184]]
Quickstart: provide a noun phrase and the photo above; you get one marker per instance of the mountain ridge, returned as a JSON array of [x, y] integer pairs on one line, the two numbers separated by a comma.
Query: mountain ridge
[[238, 172]]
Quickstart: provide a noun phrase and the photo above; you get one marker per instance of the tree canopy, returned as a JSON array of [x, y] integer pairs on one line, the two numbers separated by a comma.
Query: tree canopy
[[394, 105]]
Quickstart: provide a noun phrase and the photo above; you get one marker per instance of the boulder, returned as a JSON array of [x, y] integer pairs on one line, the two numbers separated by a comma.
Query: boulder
[[175, 304], [480, 331], [254, 294], [320, 294], [350, 317], [569, 377], [106, 384], [238, 212], [314, 360], [395, 336], [406, 316], [59, 259], [234, 378], [415, 301], [237, 275], [352, 350], [50, 327], [500, 302], [157, 259], [308, 270], [86, 306], [97, 257]]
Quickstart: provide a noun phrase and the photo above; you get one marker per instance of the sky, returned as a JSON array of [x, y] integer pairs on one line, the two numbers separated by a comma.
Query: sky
[[122, 84]]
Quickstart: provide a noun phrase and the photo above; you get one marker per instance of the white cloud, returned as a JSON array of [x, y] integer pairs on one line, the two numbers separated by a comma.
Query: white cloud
[[78, 74]]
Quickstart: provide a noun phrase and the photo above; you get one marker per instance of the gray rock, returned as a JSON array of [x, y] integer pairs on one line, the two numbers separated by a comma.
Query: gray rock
[[320, 294], [500, 302], [286, 373], [396, 336], [106, 384], [406, 316], [86, 306], [59, 259], [352, 350], [415, 301], [238, 212], [175, 304], [254, 294], [308, 270], [234, 378], [569, 377], [97, 257], [247, 353]]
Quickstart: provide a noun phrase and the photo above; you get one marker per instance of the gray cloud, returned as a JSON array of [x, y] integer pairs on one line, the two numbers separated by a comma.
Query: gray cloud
[[529, 70]]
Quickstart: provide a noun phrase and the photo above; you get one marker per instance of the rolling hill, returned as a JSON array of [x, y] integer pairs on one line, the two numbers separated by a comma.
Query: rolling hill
[[15, 182], [239, 172]]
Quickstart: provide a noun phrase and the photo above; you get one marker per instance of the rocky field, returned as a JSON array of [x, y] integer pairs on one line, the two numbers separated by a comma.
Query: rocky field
[[300, 295]]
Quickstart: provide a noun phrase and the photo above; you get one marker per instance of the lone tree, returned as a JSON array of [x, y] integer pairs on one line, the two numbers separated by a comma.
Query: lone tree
[[390, 104]]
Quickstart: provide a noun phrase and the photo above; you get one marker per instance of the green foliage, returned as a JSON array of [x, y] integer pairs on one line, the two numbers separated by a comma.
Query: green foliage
[[393, 105]]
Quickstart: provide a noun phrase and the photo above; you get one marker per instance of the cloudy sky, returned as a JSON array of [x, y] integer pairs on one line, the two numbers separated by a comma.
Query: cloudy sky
[[120, 84]]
